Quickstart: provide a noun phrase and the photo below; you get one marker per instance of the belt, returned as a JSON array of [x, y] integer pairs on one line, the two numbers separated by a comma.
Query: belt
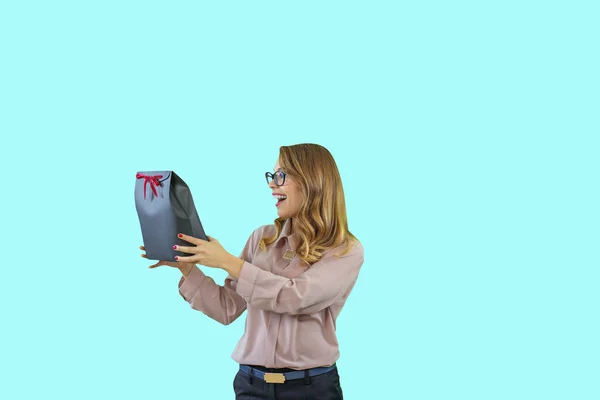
[[281, 377]]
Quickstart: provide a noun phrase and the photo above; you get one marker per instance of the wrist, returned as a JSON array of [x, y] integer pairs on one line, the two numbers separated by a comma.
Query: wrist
[[186, 269], [233, 266]]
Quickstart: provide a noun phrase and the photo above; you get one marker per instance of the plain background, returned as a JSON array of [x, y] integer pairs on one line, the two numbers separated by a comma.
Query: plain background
[[466, 136]]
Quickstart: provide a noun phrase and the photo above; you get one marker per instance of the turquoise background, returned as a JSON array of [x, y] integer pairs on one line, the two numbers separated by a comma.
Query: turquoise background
[[466, 134]]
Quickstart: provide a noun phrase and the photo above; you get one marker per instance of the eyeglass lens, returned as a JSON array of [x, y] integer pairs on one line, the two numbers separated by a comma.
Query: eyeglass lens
[[278, 177]]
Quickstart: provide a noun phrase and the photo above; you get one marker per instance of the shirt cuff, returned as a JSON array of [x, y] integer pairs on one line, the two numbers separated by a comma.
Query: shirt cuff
[[191, 283], [246, 281]]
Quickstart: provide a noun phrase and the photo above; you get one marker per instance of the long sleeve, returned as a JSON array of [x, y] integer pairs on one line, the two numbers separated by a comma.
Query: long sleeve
[[321, 285], [221, 303]]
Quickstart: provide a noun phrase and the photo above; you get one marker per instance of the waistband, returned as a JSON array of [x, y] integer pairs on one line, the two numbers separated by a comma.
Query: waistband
[[281, 377]]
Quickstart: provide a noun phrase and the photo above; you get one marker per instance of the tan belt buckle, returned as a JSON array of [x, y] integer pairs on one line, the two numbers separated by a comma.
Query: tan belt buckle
[[271, 377]]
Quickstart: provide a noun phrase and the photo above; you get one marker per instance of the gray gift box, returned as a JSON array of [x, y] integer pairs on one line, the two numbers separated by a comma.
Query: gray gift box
[[165, 208]]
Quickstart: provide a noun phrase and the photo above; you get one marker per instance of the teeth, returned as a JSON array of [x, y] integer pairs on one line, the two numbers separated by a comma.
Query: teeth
[[280, 197]]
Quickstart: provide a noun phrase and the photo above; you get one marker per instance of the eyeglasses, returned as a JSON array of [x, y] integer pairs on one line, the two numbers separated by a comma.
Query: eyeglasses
[[278, 177]]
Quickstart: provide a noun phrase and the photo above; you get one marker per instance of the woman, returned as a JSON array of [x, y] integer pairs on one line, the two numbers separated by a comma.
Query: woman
[[293, 277]]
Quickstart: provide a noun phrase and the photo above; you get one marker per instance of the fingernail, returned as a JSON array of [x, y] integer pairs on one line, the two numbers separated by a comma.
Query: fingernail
[[174, 247], [180, 235], [176, 257]]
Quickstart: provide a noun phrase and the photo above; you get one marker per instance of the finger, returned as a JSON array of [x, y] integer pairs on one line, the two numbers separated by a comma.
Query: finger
[[166, 263], [143, 255], [191, 259], [160, 263], [190, 239], [187, 249], [142, 248]]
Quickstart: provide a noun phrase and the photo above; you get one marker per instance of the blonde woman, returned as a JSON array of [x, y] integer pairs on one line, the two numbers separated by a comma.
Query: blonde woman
[[292, 277]]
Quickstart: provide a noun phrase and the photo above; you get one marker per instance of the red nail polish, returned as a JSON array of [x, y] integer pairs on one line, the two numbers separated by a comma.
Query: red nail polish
[[174, 247], [180, 235], [177, 258]]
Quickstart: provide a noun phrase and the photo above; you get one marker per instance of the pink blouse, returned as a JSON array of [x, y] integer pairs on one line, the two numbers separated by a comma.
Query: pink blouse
[[291, 309]]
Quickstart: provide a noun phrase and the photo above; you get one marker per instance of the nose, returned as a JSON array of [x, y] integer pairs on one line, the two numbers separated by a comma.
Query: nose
[[272, 184]]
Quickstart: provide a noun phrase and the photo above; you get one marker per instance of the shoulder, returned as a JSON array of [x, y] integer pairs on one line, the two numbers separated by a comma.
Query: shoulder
[[357, 246], [352, 250]]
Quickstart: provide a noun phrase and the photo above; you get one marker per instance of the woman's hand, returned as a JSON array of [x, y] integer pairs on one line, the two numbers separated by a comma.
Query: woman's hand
[[184, 267], [211, 254]]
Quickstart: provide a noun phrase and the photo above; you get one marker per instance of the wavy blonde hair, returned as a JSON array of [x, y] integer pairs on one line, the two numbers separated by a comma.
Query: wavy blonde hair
[[321, 223]]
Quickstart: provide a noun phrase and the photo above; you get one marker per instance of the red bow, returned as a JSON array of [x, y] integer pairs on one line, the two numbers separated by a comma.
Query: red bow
[[154, 181]]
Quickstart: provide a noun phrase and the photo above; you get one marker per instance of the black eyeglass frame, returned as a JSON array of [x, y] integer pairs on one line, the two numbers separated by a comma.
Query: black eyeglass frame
[[274, 176]]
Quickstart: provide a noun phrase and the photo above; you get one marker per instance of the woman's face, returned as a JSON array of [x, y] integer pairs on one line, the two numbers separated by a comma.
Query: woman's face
[[288, 207]]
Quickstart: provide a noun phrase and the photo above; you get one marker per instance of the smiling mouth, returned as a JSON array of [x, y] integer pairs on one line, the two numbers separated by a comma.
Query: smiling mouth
[[280, 199]]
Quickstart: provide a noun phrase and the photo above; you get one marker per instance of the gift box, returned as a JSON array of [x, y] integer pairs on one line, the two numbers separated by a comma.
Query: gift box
[[165, 208]]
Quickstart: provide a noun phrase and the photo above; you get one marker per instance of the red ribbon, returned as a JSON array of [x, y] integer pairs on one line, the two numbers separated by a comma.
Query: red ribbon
[[154, 181]]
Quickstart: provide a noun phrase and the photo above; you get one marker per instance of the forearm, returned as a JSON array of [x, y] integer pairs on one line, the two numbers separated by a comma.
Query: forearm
[[324, 283], [220, 303]]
